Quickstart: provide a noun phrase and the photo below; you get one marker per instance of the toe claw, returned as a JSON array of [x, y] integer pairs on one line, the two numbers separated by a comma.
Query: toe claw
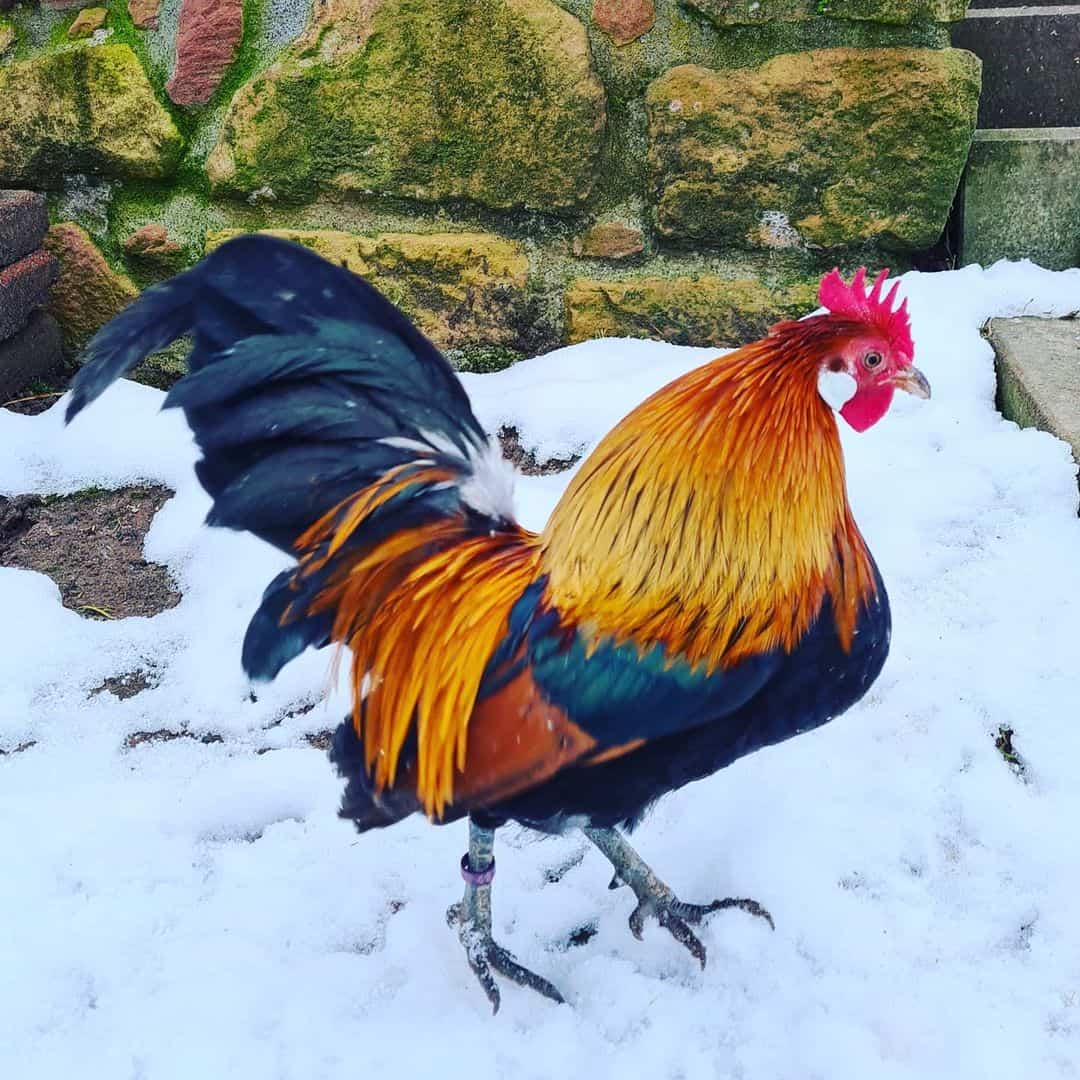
[[683, 935], [505, 964]]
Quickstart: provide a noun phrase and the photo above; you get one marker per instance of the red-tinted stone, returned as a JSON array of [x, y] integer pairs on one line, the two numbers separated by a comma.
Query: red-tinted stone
[[144, 13], [152, 244], [24, 286], [206, 42], [624, 20], [88, 22], [31, 354], [24, 221], [89, 292]]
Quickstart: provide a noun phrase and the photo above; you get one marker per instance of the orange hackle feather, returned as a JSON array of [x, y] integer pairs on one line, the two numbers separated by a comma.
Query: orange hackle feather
[[714, 519]]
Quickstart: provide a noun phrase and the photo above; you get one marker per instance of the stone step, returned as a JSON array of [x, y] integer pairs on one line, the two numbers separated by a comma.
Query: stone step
[[1020, 197], [1038, 367], [32, 354], [1031, 63], [24, 286], [23, 224]]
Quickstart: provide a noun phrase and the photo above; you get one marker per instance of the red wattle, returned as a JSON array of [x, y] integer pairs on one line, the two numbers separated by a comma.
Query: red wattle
[[867, 407]]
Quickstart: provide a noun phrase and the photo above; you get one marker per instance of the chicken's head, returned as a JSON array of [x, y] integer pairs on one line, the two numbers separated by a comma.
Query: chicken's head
[[871, 356]]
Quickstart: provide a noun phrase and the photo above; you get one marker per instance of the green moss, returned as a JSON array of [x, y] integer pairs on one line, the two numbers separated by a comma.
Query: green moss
[[164, 369], [483, 359], [826, 148], [698, 310], [725, 13], [86, 110], [489, 100]]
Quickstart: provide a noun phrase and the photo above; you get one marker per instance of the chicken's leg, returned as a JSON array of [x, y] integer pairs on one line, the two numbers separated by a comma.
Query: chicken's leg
[[472, 917], [656, 898]]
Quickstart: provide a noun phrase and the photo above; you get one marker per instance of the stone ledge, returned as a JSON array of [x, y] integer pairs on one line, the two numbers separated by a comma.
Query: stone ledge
[[1038, 368], [1021, 197]]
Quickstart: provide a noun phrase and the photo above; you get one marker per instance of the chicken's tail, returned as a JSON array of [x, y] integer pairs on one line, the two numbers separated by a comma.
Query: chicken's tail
[[329, 426]]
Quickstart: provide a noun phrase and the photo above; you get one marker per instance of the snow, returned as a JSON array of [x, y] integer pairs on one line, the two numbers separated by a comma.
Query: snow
[[182, 910]]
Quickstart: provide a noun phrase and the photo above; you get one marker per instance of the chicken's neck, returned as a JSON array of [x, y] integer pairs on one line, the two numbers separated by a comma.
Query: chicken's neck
[[714, 518]]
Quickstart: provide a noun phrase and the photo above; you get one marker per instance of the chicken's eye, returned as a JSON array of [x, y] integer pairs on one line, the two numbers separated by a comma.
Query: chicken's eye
[[872, 360]]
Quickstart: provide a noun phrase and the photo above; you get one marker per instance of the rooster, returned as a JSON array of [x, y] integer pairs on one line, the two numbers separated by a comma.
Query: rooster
[[700, 591]]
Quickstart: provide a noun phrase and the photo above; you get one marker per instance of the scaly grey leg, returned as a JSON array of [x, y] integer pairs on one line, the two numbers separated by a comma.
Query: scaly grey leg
[[657, 899], [472, 917]]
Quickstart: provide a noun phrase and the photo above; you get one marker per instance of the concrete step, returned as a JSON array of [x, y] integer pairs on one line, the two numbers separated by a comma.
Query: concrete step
[[1038, 366], [1020, 197], [32, 354], [23, 224], [1031, 63], [25, 286]]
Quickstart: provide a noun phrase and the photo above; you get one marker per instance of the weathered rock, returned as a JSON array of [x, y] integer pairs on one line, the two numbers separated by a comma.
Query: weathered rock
[[7, 36], [207, 40], [31, 354], [822, 148], [152, 245], [144, 13], [624, 20], [755, 12], [1038, 369], [24, 221], [89, 111], [461, 288], [705, 310], [88, 22], [490, 100], [88, 292], [1021, 197], [610, 240], [24, 286]]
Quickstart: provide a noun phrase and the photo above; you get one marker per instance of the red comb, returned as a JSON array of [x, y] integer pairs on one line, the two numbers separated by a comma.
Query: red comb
[[854, 302]]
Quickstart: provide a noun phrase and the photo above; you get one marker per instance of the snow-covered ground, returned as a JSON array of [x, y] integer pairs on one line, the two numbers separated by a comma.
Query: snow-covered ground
[[181, 910]]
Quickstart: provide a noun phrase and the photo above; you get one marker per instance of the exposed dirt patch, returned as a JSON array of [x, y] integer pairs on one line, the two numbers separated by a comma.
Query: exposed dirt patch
[[127, 684], [141, 738], [1003, 741], [320, 740], [18, 749], [525, 461], [90, 543]]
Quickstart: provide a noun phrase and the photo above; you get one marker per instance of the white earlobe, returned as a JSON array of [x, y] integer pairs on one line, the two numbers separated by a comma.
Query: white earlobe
[[836, 387]]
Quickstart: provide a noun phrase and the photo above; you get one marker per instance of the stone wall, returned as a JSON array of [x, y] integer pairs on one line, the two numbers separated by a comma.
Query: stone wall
[[515, 173]]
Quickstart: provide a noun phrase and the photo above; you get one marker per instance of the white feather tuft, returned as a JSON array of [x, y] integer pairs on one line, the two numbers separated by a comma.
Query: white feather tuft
[[489, 486], [836, 387]]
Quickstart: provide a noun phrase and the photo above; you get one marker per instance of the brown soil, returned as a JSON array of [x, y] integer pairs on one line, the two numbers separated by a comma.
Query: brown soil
[[525, 461], [90, 543]]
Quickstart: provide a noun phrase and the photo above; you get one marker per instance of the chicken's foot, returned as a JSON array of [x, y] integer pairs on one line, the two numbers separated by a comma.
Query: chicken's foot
[[472, 917], [657, 899]]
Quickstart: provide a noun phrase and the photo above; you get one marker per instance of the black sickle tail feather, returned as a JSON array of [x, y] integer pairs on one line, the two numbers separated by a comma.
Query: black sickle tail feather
[[305, 387]]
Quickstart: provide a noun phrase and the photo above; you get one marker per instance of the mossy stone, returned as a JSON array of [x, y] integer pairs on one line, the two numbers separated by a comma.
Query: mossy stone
[[494, 101], [84, 110], [7, 35], [822, 149], [463, 289], [897, 12], [701, 310]]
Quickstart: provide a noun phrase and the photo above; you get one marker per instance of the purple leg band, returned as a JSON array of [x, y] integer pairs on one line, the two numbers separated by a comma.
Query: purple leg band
[[476, 877]]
